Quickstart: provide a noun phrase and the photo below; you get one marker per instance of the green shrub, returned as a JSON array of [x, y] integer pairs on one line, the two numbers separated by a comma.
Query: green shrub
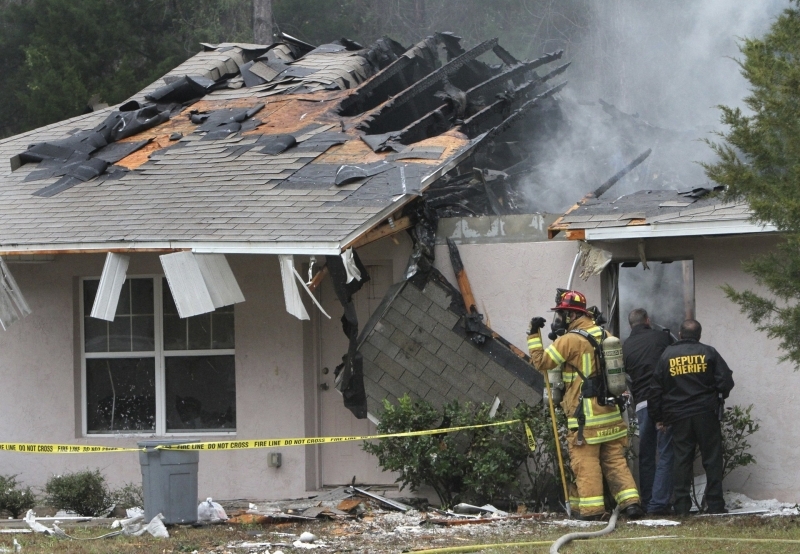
[[474, 465], [128, 496], [14, 499], [83, 492]]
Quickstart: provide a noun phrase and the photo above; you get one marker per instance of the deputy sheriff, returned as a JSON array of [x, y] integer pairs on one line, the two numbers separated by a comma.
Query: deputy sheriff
[[597, 435], [690, 382]]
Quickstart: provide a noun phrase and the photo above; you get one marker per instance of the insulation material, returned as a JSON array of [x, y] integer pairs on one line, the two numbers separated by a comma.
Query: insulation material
[[187, 284], [12, 304], [294, 304], [593, 260], [350, 266], [115, 271], [219, 279]]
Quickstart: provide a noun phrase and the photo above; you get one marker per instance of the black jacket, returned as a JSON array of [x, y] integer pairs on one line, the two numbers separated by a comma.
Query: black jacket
[[687, 380], [641, 350]]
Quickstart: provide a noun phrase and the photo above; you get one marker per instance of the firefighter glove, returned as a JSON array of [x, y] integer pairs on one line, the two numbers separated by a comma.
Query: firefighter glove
[[536, 324]]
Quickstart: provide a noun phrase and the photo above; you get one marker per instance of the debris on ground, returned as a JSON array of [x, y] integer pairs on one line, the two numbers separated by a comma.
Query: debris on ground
[[210, 512]]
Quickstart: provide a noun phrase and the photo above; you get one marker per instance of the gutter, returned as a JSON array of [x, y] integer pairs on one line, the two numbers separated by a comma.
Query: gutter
[[735, 227], [205, 247]]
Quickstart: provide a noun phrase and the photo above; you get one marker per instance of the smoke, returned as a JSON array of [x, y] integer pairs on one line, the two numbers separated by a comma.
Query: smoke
[[661, 290], [662, 68]]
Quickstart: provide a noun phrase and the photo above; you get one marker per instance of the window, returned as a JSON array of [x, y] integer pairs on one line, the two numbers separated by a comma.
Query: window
[[151, 372]]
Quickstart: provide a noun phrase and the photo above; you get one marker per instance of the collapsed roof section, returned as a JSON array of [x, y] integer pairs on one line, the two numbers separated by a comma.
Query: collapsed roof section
[[283, 149], [657, 213], [417, 343]]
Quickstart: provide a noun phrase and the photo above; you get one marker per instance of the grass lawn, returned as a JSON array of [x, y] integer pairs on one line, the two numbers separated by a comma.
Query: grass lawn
[[697, 536]]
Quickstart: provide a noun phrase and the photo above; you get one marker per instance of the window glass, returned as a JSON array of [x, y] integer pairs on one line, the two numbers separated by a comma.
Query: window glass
[[120, 395], [212, 331], [127, 333], [200, 393]]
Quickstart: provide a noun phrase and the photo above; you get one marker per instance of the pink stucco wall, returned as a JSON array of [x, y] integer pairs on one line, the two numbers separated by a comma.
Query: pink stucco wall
[[40, 382]]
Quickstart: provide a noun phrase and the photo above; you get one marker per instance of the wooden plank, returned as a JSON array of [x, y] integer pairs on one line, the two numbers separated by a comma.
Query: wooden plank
[[383, 231]]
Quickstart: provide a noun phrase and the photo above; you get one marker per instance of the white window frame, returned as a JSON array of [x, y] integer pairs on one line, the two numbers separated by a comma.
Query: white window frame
[[159, 354]]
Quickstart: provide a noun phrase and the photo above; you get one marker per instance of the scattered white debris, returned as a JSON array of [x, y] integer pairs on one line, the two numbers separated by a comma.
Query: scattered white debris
[[576, 523], [308, 546], [210, 512], [30, 519], [738, 503], [305, 536], [654, 522], [135, 511]]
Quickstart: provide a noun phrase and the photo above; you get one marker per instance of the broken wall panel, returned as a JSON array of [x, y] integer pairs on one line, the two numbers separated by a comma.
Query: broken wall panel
[[219, 279], [415, 343], [291, 294], [187, 284], [115, 271], [12, 303]]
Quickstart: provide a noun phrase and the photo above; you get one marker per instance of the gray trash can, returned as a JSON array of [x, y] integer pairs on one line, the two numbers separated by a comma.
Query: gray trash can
[[169, 481]]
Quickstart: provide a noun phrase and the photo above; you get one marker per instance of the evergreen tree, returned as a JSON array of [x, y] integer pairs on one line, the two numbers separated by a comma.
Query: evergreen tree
[[759, 162]]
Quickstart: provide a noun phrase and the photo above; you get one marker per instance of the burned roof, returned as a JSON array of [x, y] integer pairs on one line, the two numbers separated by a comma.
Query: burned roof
[[251, 148], [653, 213]]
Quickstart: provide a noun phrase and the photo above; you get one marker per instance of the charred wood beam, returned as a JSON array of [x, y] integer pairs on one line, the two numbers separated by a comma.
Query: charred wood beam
[[521, 111], [621, 173], [424, 84], [430, 123], [353, 104], [504, 55], [472, 126], [498, 82]]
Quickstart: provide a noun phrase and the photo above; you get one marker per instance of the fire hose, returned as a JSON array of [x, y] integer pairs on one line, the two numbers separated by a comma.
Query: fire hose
[[612, 523]]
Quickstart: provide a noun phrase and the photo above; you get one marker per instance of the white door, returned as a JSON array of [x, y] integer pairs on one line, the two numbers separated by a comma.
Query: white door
[[343, 461]]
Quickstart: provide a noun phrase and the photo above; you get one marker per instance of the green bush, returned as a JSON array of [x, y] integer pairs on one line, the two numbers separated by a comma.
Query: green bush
[[83, 492], [737, 424], [13, 498], [128, 496], [474, 465]]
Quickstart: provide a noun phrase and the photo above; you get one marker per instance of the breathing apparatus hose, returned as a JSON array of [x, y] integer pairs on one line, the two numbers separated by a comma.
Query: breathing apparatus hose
[[558, 445], [612, 523]]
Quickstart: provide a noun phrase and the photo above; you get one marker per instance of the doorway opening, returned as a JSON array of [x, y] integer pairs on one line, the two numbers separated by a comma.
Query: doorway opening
[[665, 290]]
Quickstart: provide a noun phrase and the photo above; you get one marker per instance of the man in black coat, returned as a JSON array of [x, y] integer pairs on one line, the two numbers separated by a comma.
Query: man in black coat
[[689, 384], [641, 350]]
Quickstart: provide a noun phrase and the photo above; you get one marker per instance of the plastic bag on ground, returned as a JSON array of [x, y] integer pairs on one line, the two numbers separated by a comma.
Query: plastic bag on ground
[[156, 528], [210, 512]]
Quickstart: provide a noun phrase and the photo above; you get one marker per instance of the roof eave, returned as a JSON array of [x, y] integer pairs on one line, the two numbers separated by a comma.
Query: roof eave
[[200, 247], [664, 230]]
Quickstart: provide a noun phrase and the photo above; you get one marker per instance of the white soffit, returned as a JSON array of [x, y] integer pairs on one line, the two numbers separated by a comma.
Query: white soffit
[[219, 279], [12, 303], [187, 284], [115, 271], [700, 228], [291, 294]]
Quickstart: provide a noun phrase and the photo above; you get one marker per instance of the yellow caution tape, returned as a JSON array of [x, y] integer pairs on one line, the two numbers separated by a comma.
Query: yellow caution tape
[[531, 440], [33, 448], [274, 443]]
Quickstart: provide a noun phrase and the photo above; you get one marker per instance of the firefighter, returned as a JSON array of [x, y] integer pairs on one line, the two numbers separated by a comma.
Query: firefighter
[[689, 385], [597, 435]]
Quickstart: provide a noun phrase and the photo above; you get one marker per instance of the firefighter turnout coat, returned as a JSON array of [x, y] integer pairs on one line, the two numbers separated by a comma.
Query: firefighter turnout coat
[[576, 354], [602, 452]]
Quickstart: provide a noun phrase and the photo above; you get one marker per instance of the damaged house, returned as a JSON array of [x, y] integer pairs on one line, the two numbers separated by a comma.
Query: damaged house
[[242, 250], [255, 246]]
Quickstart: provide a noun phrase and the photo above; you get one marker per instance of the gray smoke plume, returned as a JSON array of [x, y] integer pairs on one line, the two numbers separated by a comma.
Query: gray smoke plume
[[646, 74]]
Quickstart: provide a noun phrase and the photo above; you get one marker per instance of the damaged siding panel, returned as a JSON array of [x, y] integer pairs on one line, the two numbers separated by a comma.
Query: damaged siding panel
[[115, 271], [425, 352]]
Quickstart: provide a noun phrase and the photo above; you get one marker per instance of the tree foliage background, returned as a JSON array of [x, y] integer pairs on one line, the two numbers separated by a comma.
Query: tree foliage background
[[60, 54], [759, 162]]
